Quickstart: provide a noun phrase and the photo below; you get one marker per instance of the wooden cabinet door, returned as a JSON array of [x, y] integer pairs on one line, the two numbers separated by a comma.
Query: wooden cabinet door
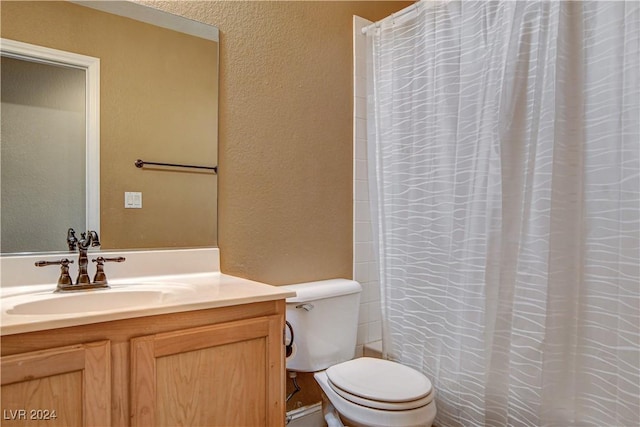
[[230, 374], [65, 386]]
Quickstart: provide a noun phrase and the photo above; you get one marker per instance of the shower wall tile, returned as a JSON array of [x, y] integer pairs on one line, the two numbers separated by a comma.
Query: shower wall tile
[[362, 211], [360, 84], [359, 43], [361, 150], [361, 193], [375, 331], [361, 129], [361, 170], [361, 271], [364, 264], [360, 105]]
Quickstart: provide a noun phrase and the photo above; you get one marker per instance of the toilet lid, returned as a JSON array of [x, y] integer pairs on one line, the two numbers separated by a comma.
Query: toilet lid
[[380, 381]]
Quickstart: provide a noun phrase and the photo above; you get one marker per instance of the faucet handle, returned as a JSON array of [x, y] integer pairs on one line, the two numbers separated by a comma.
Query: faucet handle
[[116, 259], [100, 277], [64, 279]]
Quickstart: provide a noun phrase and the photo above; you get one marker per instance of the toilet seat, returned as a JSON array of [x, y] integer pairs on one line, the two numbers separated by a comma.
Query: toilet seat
[[355, 415], [380, 384]]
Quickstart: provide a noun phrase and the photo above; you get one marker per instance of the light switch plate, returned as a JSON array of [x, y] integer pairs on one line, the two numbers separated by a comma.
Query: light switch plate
[[132, 200]]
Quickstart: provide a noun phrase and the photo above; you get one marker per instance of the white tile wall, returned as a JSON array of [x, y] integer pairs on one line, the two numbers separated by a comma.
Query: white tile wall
[[364, 266]]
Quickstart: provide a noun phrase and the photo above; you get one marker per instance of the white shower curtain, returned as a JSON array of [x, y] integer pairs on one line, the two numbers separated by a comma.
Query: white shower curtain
[[504, 144]]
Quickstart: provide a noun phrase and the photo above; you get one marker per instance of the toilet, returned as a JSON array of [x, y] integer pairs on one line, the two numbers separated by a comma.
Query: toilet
[[361, 392]]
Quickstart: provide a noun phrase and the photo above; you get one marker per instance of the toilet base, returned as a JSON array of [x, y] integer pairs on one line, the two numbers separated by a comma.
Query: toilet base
[[331, 416]]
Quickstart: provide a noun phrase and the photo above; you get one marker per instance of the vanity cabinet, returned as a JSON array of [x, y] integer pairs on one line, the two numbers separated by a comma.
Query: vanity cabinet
[[223, 378], [214, 367], [64, 386]]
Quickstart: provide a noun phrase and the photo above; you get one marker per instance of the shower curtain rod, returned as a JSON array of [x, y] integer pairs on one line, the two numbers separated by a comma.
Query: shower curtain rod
[[406, 13]]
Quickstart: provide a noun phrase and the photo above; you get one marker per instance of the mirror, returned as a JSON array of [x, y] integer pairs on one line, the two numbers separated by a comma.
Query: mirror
[[158, 101]]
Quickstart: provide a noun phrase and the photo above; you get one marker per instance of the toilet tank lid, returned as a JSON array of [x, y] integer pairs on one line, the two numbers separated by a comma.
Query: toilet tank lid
[[312, 291]]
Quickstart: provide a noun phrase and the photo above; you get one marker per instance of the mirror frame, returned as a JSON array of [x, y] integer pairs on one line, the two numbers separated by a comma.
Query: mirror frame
[[91, 66]]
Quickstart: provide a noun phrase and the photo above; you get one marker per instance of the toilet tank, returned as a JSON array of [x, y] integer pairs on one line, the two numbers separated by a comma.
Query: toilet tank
[[324, 319]]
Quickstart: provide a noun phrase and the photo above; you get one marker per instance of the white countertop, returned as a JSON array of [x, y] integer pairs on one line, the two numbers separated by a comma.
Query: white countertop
[[187, 292]]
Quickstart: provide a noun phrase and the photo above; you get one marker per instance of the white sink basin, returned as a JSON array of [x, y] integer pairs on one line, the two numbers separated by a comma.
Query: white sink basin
[[117, 298], [90, 301]]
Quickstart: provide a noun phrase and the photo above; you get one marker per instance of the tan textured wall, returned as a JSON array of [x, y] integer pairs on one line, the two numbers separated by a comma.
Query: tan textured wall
[[285, 142], [157, 102], [285, 138]]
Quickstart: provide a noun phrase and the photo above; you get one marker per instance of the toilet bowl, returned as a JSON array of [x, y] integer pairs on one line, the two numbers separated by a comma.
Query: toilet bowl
[[365, 392], [378, 393]]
